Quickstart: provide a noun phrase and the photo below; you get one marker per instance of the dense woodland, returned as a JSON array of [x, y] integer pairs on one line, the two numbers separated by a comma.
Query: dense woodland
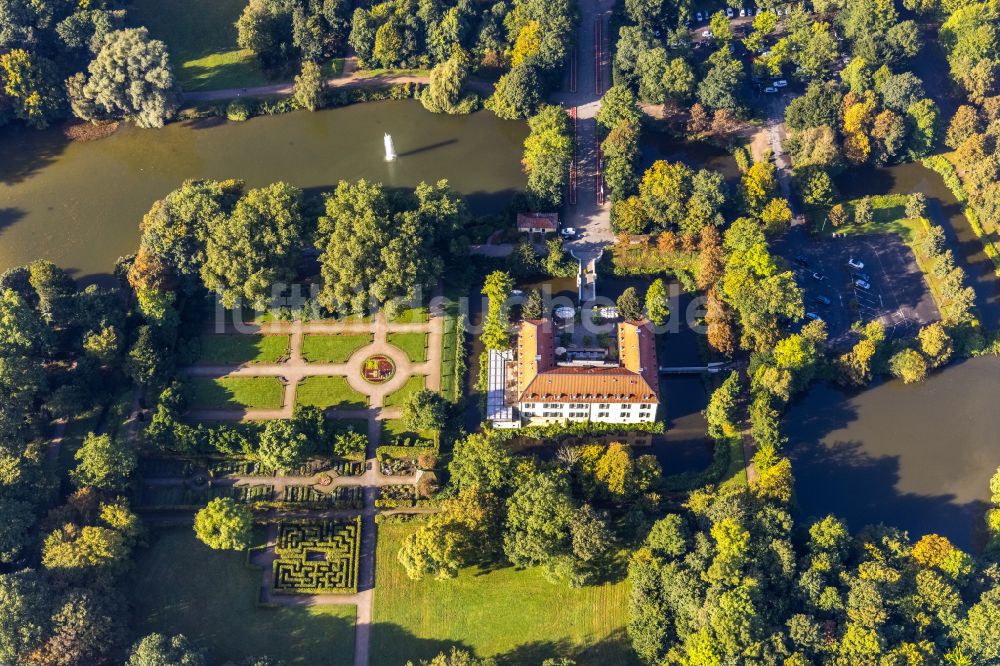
[[58, 58]]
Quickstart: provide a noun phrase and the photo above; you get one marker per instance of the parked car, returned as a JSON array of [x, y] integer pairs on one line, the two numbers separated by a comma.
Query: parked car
[[862, 284], [780, 83], [698, 16], [823, 300], [801, 261], [855, 263], [743, 12], [813, 316], [858, 275], [770, 89], [567, 232], [729, 12], [818, 276]]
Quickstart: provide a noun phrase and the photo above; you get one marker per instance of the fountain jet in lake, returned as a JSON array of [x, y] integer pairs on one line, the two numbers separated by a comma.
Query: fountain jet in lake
[[390, 149]]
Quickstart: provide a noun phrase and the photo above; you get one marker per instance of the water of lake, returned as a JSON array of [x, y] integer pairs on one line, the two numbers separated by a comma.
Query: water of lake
[[79, 203], [918, 457]]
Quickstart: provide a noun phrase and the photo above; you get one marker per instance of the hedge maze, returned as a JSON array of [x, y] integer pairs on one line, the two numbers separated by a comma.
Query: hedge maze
[[317, 557]]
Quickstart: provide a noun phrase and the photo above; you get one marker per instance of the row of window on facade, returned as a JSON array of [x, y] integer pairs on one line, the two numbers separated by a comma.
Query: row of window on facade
[[625, 406], [644, 412]]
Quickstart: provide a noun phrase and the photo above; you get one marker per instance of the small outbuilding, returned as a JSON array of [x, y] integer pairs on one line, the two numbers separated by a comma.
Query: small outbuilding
[[538, 223]]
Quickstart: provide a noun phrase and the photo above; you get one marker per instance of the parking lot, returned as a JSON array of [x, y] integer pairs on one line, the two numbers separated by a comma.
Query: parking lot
[[897, 294]]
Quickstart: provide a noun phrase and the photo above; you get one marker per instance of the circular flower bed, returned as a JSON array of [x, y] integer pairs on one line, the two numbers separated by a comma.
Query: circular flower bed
[[378, 369]]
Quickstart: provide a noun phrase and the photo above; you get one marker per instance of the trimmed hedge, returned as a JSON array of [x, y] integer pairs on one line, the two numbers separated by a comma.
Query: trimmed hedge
[[319, 557], [181, 497], [396, 497], [560, 431], [403, 452]]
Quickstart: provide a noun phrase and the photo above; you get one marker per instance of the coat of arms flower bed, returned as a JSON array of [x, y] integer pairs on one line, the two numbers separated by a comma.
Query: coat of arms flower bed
[[317, 557], [378, 369]]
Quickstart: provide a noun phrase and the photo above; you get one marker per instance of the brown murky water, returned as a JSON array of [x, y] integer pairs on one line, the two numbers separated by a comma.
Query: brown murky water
[[79, 204], [919, 457]]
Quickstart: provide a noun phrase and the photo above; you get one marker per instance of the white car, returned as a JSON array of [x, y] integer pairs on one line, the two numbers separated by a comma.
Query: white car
[[567, 232], [707, 33], [780, 83], [770, 89], [729, 12], [862, 284], [698, 16], [743, 12], [855, 264]]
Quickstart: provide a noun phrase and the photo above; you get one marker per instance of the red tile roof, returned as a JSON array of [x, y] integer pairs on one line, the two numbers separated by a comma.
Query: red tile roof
[[527, 221], [539, 379]]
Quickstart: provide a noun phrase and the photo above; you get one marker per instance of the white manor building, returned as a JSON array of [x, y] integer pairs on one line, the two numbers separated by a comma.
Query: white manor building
[[528, 386]]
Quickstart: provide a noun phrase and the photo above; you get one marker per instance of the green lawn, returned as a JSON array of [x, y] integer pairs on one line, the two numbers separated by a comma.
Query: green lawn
[[333, 67], [414, 344], [201, 38], [329, 392], [514, 614], [417, 315], [238, 349], [235, 392], [888, 214], [343, 425], [393, 428], [399, 398], [333, 348], [735, 475], [182, 587]]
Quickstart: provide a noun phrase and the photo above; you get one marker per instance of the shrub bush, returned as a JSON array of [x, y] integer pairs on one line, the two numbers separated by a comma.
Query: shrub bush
[[239, 110]]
